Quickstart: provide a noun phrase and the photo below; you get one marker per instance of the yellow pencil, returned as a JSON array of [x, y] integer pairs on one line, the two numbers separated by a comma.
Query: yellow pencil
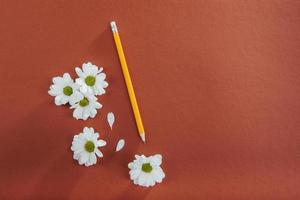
[[131, 93]]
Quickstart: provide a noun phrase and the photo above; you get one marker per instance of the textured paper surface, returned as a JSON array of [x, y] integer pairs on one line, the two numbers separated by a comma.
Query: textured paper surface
[[217, 84]]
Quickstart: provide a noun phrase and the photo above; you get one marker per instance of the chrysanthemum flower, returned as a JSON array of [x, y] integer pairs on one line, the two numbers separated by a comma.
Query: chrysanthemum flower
[[85, 147], [64, 90], [91, 79], [86, 107], [146, 171]]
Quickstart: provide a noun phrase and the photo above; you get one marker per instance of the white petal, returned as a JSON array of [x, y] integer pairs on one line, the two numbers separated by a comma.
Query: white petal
[[97, 105], [86, 67], [120, 145], [99, 153], [92, 130], [93, 70], [75, 86], [101, 143], [83, 88], [78, 142], [131, 165], [87, 130], [54, 90], [141, 180], [79, 81], [83, 158], [77, 113], [110, 119], [99, 90], [149, 181], [76, 156], [93, 113], [64, 99], [92, 159], [79, 72], [91, 97], [134, 173], [104, 84], [57, 80], [156, 159], [76, 105], [79, 151], [158, 175], [67, 77], [75, 97], [90, 91], [85, 113], [58, 101], [96, 136], [101, 77]]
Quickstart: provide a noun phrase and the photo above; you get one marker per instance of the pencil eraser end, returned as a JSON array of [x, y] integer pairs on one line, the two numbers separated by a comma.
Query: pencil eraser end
[[113, 26]]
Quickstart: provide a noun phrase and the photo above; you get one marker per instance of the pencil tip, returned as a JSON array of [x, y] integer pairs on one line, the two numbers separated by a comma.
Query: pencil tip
[[143, 137]]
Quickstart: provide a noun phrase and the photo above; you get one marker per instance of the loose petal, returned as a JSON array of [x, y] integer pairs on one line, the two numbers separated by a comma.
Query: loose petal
[[110, 119], [120, 145]]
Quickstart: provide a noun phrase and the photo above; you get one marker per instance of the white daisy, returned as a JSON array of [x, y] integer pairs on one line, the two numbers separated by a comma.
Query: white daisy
[[65, 90], [91, 80], [86, 107], [146, 171], [85, 147]]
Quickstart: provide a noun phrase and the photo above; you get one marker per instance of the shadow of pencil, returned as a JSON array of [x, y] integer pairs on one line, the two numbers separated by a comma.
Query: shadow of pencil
[[103, 49]]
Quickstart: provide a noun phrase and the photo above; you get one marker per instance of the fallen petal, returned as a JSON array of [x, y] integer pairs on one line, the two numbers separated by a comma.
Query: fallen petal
[[110, 119], [120, 145]]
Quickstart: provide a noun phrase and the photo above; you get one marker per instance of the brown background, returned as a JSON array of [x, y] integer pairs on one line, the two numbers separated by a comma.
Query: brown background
[[218, 83]]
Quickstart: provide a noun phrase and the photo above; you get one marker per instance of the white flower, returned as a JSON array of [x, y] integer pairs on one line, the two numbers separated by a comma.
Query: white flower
[[146, 171], [65, 90], [85, 147], [91, 80], [86, 107]]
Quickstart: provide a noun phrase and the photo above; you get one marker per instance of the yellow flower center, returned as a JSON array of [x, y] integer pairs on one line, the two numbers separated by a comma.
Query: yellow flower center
[[146, 167], [68, 90], [84, 102], [90, 80], [89, 146]]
